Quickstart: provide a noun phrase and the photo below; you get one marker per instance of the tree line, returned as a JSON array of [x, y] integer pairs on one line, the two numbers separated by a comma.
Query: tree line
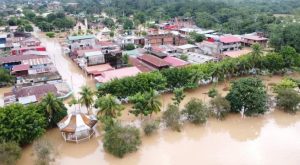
[[193, 75]]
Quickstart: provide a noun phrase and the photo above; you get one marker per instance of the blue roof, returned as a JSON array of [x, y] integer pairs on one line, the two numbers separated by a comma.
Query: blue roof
[[73, 38]]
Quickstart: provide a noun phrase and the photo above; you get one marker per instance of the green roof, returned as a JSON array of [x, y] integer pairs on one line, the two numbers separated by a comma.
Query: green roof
[[73, 38]]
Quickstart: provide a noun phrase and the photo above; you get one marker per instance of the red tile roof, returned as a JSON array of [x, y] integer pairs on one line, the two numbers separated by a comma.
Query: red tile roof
[[21, 67], [141, 66], [229, 39], [10, 59], [175, 62], [153, 60], [38, 91], [256, 38]]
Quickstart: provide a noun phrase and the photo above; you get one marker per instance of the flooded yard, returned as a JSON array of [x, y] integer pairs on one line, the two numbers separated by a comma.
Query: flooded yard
[[269, 139]]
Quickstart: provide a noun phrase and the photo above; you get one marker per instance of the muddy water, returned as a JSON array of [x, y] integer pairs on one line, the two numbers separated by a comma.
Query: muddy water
[[270, 139]]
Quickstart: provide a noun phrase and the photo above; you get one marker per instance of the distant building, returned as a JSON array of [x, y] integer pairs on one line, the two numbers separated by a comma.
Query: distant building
[[186, 48], [55, 5], [80, 42], [249, 40], [160, 39]]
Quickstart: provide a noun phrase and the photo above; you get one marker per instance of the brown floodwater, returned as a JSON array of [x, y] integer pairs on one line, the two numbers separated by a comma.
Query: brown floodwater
[[269, 139]]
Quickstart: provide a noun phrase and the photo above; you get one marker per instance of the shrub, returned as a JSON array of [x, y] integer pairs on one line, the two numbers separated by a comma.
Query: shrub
[[50, 34], [248, 96], [172, 117], [220, 107], [44, 152], [196, 111], [129, 47], [288, 99], [178, 96], [150, 127], [213, 92], [10, 152], [286, 83], [119, 140]]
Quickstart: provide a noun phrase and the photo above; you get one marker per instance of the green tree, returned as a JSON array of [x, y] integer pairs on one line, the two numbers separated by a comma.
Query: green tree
[[178, 96], [121, 140], [128, 24], [5, 77], [256, 55], [109, 106], [289, 56], [141, 17], [145, 103], [273, 62], [53, 109], [196, 111], [248, 96], [171, 117], [288, 100], [125, 59], [86, 97], [10, 152], [21, 124], [109, 22], [220, 107], [28, 28]]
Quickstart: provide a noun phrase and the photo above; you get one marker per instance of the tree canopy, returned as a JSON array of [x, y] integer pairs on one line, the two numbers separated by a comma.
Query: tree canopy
[[248, 96]]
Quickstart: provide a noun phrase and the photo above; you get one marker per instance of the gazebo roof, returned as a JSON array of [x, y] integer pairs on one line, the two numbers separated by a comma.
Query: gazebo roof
[[76, 122]]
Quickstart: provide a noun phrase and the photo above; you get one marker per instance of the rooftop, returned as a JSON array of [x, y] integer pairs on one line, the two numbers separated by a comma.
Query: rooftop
[[229, 39], [10, 59], [254, 37], [175, 62], [153, 60], [187, 46], [140, 65], [22, 67], [98, 69], [93, 53], [107, 76], [83, 37], [197, 58]]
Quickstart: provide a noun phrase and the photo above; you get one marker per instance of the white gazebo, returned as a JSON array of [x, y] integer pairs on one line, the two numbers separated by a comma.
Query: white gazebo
[[77, 127]]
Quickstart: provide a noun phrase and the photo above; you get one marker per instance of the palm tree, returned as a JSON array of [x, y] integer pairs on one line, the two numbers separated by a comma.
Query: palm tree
[[109, 106], [87, 97], [73, 102], [55, 108], [153, 101], [256, 53]]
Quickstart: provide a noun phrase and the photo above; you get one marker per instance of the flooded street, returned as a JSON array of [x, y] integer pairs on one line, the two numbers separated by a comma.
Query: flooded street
[[70, 72], [272, 139]]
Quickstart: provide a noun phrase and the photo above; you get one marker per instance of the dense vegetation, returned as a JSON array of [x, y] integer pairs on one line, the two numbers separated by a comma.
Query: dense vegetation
[[120, 140], [227, 16], [192, 76]]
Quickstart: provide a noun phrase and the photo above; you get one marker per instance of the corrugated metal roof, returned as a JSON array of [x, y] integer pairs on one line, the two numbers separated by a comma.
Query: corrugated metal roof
[[83, 37]]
